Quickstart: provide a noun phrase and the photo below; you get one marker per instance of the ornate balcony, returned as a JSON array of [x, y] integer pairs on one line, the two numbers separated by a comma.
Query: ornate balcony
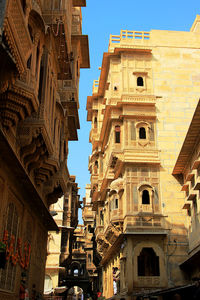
[[145, 223], [17, 35]]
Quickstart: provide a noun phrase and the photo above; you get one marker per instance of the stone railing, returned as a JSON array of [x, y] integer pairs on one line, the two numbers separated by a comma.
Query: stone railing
[[128, 37]]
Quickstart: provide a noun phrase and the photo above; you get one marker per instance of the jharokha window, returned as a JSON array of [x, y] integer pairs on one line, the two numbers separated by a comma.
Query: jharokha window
[[148, 263], [117, 134]]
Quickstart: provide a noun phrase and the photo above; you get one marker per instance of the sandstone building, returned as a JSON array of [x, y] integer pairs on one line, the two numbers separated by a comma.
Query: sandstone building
[[140, 111], [41, 52], [59, 247]]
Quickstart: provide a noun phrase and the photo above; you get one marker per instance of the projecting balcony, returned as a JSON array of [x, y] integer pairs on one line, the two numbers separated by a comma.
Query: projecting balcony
[[55, 10], [145, 223], [130, 39], [99, 232], [17, 34]]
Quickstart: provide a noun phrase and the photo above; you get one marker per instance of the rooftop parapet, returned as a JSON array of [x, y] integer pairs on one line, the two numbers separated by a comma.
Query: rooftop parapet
[[128, 39]]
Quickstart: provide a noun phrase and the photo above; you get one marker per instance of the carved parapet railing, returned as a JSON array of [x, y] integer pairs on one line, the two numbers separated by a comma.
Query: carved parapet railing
[[68, 91], [76, 21], [17, 35], [146, 223], [150, 281]]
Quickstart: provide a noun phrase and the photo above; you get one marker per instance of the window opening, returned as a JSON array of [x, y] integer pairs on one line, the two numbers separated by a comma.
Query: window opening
[[41, 83], [95, 122], [116, 203], [142, 133], [145, 197], [101, 218], [115, 88], [140, 81], [30, 32], [75, 272], [29, 62], [117, 134], [148, 263]]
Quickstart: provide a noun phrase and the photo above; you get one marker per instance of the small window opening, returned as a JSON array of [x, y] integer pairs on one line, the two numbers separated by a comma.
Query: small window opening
[[101, 218], [29, 62], [117, 134], [75, 272], [89, 258], [148, 263], [30, 32], [142, 133], [145, 197], [116, 203], [115, 88], [140, 81], [95, 122], [41, 84]]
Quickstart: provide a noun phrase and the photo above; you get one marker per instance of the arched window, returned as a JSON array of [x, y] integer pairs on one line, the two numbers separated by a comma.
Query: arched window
[[148, 263], [140, 81], [117, 134], [145, 197], [115, 88], [142, 133]]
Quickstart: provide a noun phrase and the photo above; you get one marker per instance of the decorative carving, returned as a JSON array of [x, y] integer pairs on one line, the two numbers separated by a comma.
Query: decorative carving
[[17, 34], [15, 105]]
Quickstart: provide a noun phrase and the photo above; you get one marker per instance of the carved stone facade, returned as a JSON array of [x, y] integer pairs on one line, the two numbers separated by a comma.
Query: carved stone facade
[[140, 110], [41, 52]]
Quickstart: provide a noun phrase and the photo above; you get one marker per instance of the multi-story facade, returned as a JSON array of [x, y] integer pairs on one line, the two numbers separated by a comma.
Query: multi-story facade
[[41, 51], [140, 109], [59, 247], [187, 170], [88, 216]]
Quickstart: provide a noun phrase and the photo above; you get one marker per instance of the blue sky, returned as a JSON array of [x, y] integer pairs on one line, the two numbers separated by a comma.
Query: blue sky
[[100, 19]]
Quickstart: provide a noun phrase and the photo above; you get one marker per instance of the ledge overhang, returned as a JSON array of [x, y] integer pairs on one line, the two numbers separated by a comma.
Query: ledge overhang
[[191, 140]]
